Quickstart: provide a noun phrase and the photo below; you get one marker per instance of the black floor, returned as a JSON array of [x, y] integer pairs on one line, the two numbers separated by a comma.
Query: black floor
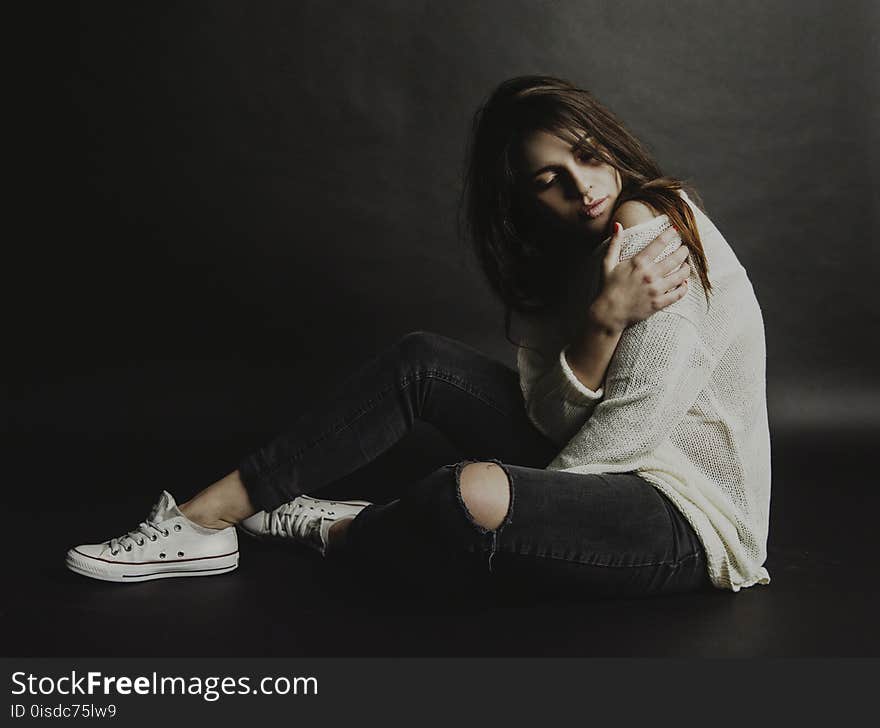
[[823, 600]]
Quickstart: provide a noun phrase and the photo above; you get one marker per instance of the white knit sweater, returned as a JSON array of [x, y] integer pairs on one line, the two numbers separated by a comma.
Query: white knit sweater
[[683, 404]]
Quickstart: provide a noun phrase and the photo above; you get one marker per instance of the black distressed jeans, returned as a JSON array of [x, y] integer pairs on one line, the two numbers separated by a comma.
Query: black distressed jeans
[[564, 533]]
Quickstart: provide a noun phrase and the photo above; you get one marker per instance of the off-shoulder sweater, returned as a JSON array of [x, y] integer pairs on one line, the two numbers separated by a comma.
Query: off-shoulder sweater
[[683, 404]]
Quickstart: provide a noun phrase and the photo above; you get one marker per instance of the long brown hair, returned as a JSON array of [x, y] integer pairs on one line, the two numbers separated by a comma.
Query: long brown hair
[[524, 270]]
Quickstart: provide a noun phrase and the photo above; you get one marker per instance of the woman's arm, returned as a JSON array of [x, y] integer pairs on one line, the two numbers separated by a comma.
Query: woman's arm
[[658, 370], [560, 377], [632, 290]]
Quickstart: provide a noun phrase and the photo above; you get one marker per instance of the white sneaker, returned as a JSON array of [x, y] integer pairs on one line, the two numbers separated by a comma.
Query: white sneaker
[[166, 544], [303, 520]]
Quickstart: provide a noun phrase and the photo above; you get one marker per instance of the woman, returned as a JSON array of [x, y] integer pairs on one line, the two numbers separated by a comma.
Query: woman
[[628, 455]]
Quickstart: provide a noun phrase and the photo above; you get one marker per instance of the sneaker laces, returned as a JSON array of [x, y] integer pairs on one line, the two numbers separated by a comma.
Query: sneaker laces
[[148, 529], [292, 520]]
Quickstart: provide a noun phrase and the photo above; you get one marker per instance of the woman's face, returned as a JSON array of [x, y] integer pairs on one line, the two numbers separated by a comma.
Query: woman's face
[[575, 192]]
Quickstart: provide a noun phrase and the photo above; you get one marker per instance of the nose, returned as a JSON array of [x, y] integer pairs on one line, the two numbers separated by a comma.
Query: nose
[[581, 185]]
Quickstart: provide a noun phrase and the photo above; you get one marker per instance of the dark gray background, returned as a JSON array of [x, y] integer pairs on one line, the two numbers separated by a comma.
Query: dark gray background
[[224, 207], [230, 204]]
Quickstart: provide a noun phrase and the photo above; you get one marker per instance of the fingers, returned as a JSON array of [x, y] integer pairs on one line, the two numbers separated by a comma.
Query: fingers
[[655, 248], [612, 257], [677, 277], [672, 295], [676, 285], [671, 262]]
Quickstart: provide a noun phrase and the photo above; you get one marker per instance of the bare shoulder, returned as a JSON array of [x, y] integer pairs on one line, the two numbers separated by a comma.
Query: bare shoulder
[[634, 212]]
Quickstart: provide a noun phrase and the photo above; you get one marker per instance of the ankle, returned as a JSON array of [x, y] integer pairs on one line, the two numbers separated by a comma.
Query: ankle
[[203, 517], [221, 504], [337, 535]]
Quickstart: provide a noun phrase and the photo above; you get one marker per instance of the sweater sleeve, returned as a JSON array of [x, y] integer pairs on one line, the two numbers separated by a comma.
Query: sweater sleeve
[[557, 402], [658, 370]]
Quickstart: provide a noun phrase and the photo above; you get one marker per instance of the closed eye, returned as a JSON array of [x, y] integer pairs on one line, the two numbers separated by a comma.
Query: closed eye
[[586, 157]]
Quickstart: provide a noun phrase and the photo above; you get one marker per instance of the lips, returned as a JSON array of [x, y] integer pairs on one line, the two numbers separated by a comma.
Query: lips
[[596, 209]]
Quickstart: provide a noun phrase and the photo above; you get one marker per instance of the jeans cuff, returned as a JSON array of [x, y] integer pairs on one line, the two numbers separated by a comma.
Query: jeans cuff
[[263, 495]]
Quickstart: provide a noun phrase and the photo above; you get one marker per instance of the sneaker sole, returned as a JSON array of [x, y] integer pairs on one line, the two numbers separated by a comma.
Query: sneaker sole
[[147, 572]]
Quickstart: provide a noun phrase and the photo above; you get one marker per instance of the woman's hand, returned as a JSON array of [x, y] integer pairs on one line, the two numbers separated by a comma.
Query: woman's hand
[[635, 288]]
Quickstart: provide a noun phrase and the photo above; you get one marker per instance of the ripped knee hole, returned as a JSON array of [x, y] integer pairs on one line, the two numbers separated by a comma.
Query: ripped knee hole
[[485, 492]]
